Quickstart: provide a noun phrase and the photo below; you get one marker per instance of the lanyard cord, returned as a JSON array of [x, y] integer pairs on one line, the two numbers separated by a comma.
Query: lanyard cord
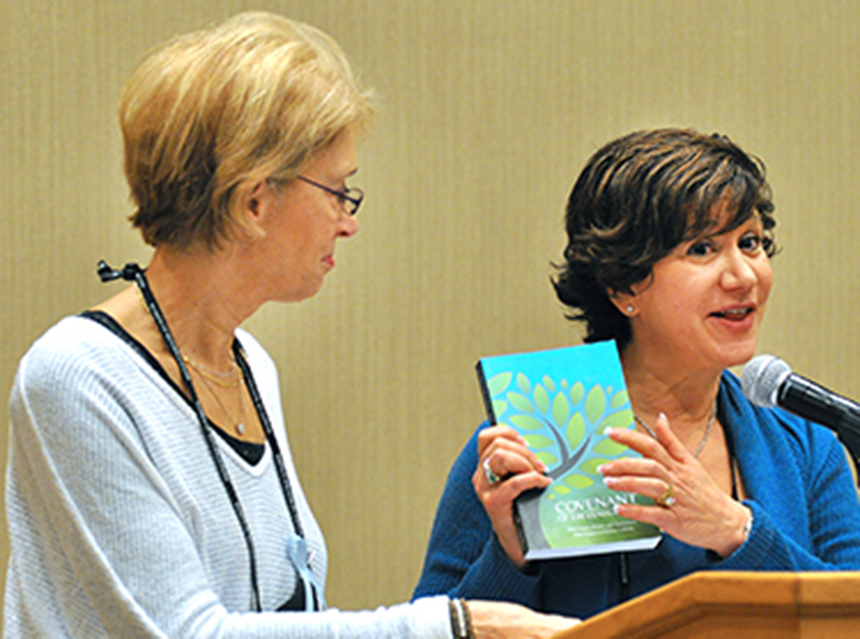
[[135, 273], [241, 359]]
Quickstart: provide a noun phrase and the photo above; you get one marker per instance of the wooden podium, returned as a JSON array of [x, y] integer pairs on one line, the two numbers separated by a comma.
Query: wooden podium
[[738, 605]]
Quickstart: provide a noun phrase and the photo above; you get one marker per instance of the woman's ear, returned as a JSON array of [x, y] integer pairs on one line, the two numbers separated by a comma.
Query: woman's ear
[[252, 211], [252, 201], [624, 302]]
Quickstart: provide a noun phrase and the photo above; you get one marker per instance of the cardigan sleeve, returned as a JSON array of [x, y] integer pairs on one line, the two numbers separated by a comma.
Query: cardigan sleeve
[[464, 557], [800, 490], [830, 508]]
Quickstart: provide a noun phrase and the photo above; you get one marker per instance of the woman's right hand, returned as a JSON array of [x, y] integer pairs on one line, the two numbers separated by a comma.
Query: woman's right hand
[[504, 452], [492, 619]]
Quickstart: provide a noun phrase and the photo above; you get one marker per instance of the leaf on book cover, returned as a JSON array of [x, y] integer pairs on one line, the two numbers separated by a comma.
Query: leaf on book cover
[[578, 481], [560, 409], [524, 384], [575, 430], [595, 404], [499, 406], [541, 398], [618, 399], [520, 402], [547, 458], [609, 447], [526, 422], [498, 384], [549, 382], [577, 392], [538, 441], [591, 465], [618, 419]]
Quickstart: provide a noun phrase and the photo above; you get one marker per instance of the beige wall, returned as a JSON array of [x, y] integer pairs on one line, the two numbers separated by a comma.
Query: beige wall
[[488, 110]]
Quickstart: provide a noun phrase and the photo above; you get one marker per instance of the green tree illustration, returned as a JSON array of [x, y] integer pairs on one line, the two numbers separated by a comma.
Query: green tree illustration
[[563, 423]]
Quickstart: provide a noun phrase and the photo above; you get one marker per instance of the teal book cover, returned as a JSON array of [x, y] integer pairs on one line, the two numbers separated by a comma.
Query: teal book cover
[[561, 401]]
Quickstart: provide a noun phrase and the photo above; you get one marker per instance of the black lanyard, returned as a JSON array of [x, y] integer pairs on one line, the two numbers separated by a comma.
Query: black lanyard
[[133, 272]]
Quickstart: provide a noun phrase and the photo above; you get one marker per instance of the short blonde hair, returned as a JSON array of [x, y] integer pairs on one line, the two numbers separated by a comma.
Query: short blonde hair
[[209, 115]]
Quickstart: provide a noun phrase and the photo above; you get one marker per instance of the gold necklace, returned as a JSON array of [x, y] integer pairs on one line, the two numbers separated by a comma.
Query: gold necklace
[[239, 423], [224, 380]]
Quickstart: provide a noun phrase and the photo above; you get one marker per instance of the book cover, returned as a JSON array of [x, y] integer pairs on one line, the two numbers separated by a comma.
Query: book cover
[[561, 401]]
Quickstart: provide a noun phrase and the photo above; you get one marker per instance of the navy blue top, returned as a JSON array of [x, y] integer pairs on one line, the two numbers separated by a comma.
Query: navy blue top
[[798, 485]]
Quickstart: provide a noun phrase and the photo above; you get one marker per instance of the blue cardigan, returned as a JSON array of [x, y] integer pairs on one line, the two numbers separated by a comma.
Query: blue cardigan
[[799, 487]]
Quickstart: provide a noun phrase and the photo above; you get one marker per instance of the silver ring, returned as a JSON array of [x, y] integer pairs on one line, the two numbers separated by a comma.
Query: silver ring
[[492, 477]]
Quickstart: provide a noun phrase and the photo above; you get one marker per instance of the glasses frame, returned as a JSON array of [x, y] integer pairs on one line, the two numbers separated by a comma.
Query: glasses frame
[[351, 196]]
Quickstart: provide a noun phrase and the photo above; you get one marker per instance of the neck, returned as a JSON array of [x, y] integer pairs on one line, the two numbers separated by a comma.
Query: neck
[[202, 299], [687, 397]]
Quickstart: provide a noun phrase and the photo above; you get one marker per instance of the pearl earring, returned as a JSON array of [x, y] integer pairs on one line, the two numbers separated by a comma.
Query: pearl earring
[[630, 308]]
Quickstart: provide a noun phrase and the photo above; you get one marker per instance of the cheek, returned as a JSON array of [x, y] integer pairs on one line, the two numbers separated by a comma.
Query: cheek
[[765, 279], [684, 299]]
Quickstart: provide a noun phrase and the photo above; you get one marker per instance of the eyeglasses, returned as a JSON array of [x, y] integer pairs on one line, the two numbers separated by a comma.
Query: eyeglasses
[[351, 197]]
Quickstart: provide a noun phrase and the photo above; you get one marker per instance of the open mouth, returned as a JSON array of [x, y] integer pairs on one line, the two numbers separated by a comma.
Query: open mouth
[[734, 314]]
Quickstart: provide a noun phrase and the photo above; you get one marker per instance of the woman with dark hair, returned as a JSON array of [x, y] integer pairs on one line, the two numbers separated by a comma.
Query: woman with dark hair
[[669, 246], [151, 491]]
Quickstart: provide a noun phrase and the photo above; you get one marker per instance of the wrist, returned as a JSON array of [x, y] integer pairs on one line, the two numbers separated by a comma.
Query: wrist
[[748, 525], [739, 527], [740, 532]]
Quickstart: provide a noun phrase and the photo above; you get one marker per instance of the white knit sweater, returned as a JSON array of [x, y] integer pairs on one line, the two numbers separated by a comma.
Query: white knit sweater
[[120, 526]]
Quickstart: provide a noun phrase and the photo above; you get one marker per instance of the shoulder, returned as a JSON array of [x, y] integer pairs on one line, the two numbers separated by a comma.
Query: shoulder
[[774, 427], [73, 347], [77, 381]]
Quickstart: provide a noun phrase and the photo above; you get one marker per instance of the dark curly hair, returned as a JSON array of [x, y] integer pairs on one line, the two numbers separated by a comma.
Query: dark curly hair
[[638, 198]]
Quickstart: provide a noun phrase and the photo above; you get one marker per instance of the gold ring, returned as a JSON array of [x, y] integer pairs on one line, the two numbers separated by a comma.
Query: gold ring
[[667, 499]]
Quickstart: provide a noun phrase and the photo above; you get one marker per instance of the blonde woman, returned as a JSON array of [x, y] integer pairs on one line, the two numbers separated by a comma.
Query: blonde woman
[[151, 490]]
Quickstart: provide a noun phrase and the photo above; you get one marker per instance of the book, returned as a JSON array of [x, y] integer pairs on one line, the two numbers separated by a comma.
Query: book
[[561, 401]]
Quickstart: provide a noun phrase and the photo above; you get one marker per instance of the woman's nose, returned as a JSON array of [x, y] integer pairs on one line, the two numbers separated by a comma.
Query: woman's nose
[[738, 272], [348, 226]]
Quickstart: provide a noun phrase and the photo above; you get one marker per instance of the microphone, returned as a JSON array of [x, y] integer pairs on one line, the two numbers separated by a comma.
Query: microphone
[[768, 381]]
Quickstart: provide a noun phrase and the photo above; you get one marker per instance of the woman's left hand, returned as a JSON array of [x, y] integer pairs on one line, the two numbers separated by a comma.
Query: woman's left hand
[[695, 511]]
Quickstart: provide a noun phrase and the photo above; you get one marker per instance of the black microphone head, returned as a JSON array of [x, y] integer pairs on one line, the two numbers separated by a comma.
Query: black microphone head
[[761, 379]]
